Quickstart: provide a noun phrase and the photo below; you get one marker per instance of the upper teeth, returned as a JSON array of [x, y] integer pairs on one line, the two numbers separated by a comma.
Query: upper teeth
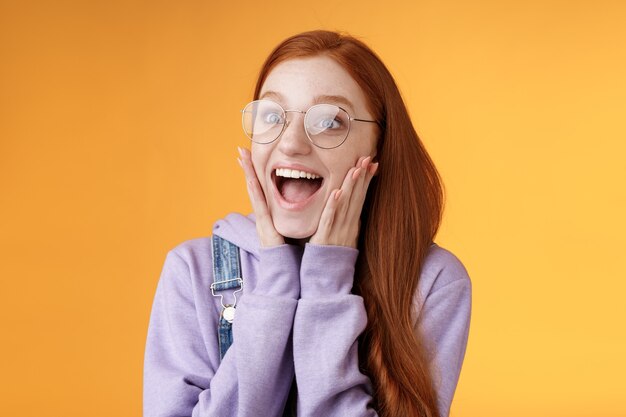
[[294, 173]]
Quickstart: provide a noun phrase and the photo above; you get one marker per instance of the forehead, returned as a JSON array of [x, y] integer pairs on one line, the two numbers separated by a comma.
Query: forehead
[[302, 82]]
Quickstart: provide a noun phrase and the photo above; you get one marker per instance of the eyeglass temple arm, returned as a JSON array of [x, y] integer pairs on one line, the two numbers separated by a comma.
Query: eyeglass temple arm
[[369, 121]]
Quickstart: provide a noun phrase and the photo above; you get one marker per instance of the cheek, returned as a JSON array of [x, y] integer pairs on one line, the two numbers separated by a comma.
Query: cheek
[[369, 141], [345, 161], [340, 171]]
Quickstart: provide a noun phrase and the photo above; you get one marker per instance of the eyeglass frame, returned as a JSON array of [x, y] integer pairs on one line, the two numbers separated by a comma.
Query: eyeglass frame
[[286, 123]]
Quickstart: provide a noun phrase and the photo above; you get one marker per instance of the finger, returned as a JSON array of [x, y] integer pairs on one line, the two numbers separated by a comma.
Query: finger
[[365, 161], [372, 169], [327, 218], [254, 187], [348, 182], [360, 161], [365, 165], [255, 192], [356, 204], [247, 166], [361, 185], [251, 178], [359, 175], [352, 175]]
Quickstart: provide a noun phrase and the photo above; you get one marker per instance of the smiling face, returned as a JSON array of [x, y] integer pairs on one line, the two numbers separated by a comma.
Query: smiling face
[[297, 84]]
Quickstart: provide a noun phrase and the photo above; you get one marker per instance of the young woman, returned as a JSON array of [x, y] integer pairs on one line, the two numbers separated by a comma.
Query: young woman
[[348, 308]]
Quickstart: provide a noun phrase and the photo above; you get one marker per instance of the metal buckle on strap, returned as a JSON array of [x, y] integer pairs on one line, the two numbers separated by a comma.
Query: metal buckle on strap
[[228, 310]]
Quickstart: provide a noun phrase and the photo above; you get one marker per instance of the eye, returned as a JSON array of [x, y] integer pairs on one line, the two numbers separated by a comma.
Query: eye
[[272, 118], [330, 123], [327, 120], [326, 123]]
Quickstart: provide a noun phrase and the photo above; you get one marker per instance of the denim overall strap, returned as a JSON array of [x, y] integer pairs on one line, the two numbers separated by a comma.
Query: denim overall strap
[[226, 276]]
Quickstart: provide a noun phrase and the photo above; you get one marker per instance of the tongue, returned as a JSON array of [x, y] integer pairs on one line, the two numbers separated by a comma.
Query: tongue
[[295, 190]]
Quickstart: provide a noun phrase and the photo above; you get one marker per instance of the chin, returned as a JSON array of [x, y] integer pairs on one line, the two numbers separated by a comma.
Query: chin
[[295, 230]]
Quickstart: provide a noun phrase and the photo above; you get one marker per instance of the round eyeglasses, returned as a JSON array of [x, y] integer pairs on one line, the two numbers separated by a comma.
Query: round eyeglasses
[[327, 126]]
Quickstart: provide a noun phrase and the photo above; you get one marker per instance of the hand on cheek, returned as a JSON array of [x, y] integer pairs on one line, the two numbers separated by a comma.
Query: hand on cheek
[[339, 222], [264, 224]]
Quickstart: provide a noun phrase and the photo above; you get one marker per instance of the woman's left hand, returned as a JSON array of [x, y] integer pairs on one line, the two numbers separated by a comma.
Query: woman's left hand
[[340, 220]]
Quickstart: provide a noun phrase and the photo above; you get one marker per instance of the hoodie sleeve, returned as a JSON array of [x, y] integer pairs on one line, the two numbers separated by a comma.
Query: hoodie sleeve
[[255, 375], [329, 320], [444, 321]]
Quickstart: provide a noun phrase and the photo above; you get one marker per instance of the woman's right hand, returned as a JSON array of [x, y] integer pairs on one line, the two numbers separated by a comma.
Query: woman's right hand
[[264, 223]]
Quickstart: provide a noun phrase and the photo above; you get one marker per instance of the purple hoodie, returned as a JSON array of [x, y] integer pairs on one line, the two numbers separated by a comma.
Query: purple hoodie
[[295, 316]]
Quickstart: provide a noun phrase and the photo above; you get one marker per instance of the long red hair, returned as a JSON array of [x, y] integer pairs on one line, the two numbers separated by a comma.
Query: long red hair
[[400, 218]]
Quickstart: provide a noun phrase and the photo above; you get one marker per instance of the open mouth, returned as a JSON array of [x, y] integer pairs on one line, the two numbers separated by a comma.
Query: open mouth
[[296, 186]]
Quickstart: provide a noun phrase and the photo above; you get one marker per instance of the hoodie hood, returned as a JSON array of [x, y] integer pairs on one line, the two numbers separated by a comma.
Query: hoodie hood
[[240, 230]]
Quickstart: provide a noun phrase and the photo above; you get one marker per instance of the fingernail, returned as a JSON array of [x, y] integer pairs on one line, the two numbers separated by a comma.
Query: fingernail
[[240, 151], [356, 173], [240, 163], [337, 194], [366, 161]]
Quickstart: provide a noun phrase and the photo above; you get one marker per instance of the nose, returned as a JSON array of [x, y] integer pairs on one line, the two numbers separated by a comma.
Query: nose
[[293, 140]]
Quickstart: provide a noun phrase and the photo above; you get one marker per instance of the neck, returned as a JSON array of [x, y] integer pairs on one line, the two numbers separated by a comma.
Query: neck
[[299, 242]]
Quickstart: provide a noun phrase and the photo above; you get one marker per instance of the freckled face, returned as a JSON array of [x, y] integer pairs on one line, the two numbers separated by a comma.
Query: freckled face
[[295, 84]]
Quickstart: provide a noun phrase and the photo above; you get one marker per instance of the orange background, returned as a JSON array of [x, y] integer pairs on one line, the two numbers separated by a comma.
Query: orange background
[[119, 122]]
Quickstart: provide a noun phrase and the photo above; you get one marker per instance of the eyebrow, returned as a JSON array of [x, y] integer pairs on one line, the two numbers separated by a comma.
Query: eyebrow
[[324, 98]]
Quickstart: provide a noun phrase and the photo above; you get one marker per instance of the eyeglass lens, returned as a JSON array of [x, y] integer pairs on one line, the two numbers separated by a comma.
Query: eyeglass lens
[[326, 125]]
